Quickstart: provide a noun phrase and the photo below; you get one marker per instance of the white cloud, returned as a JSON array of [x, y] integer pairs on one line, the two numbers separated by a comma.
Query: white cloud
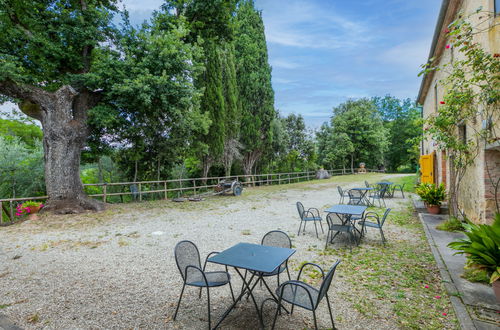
[[304, 24], [408, 55], [283, 63]]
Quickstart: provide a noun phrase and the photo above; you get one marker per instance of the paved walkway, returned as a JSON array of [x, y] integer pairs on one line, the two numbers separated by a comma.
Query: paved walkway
[[474, 303]]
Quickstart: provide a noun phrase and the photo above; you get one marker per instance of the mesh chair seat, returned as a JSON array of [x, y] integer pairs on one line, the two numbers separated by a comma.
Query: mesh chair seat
[[312, 219], [343, 228], [299, 294], [214, 279], [370, 224]]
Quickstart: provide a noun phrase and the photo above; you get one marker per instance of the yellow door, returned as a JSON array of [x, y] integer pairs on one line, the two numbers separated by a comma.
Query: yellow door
[[427, 168]]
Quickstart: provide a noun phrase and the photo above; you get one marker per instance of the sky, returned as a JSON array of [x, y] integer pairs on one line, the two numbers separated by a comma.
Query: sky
[[323, 52]]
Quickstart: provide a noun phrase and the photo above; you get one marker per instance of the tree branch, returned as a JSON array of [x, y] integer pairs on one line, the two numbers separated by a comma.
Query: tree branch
[[26, 93]]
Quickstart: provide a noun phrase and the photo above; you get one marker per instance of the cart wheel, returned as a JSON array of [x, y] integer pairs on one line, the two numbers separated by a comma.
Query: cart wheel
[[237, 189]]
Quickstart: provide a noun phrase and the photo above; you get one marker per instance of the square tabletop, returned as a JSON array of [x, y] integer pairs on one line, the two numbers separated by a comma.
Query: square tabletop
[[363, 188], [385, 182], [347, 209], [259, 258]]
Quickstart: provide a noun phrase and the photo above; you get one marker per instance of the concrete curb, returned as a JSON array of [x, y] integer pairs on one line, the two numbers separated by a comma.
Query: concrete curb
[[461, 311], [6, 324]]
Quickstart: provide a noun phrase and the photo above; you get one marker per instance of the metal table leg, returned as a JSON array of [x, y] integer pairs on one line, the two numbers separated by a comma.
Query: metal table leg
[[246, 285]]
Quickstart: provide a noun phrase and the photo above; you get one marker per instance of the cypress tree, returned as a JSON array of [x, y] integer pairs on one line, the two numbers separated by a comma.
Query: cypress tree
[[232, 108], [213, 103], [254, 81]]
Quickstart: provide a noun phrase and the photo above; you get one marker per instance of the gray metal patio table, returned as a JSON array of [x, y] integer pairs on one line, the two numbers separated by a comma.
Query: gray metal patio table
[[364, 191], [348, 211], [257, 258]]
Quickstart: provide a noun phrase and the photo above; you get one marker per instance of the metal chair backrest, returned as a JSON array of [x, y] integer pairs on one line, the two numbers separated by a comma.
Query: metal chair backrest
[[300, 208], [332, 220], [277, 238], [341, 192], [367, 184], [186, 254], [386, 213], [355, 196], [327, 281]]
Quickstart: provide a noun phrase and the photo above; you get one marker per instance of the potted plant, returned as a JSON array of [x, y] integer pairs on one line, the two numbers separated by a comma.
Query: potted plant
[[482, 248], [29, 208], [432, 196]]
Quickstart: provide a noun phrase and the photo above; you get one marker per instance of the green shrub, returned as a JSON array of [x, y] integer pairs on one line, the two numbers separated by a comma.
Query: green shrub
[[482, 247], [476, 275], [431, 194], [451, 224]]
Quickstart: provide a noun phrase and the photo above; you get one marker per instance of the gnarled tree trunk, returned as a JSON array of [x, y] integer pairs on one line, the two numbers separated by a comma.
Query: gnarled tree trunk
[[63, 115]]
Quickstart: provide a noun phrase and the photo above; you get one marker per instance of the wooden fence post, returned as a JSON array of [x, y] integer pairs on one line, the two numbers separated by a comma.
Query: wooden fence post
[[194, 186], [104, 190], [165, 189], [11, 211], [140, 192]]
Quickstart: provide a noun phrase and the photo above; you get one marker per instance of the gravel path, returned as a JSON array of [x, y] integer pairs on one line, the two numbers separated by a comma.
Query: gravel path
[[116, 269]]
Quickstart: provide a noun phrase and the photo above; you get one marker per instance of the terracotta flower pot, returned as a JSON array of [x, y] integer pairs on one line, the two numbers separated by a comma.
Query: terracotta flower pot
[[33, 212], [433, 209], [496, 289]]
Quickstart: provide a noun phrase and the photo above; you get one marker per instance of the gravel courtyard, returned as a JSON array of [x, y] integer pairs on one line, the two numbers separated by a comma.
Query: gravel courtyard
[[116, 269]]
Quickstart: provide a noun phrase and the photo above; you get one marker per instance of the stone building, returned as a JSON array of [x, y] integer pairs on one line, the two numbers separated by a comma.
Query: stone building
[[476, 197]]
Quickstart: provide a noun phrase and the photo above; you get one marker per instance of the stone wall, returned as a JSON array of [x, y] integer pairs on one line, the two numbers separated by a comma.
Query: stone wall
[[476, 197]]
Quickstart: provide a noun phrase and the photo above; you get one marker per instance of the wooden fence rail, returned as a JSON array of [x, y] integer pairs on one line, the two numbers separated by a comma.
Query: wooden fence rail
[[165, 188]]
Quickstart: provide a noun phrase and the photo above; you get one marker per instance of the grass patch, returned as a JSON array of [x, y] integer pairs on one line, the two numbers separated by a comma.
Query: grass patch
[[409, 181], [397, 283], [476, 275], [451, 224]]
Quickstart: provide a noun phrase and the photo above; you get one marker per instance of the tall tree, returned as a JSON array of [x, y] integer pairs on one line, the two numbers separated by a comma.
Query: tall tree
[[358, 132], [232, 104], [213, 104], [150, 108], [254, 81], [210, 26], [333, 148], [46, 47], [401, 119]]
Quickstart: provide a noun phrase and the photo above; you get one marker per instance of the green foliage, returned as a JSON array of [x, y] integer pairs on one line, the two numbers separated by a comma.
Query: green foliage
[[482, 247], [410, 181], [28, 133], [254, 79], [151, 106], [294, 150], [356, 134], [476, 275], [431, 194], [451, 224], [402, 121], [21, 168], [48, 43], [212, 102]]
